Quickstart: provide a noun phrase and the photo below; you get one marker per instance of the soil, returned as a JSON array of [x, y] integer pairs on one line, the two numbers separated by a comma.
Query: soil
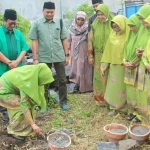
[[139, 130], [117, 130], [59, 141]]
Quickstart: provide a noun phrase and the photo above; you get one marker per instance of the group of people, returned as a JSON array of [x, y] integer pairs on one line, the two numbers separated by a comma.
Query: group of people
[[109, 55], [119, 50]]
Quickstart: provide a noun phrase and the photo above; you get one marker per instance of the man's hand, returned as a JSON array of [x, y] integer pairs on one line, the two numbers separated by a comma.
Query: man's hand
[[67, 60], [13, 64], [35, 61]]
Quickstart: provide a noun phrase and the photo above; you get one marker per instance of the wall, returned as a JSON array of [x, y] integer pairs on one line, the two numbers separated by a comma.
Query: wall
[[32, 9]]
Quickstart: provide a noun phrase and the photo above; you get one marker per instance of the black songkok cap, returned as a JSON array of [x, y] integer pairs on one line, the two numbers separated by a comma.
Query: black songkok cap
[[49, 5], [97, 1], [10, 14]]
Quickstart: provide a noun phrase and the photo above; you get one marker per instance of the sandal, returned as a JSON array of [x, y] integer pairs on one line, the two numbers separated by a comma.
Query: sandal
[[130, 117], [136, 119]]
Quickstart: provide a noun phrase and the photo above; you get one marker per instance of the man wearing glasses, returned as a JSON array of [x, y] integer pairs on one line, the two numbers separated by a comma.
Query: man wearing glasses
[[13, 47]]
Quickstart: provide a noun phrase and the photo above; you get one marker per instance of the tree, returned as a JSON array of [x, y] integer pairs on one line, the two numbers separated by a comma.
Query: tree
[[22, 24]]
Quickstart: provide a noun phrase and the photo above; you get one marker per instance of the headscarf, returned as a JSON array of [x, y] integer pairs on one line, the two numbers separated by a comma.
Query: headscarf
[[101, 30], [143, 34], [30, 79], [130, 46], [79, 14], [148, 45], [79, 31], [114, 49]]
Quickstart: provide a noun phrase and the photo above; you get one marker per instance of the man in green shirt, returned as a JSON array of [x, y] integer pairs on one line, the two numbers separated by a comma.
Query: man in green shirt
[[13, 47], [49, 42]]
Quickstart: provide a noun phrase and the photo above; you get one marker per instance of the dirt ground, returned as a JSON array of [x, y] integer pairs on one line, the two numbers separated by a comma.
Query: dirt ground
[[85, 120]]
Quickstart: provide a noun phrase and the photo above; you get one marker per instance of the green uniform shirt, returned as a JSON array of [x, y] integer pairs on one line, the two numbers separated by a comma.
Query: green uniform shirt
[[49, 37], [11, 44]]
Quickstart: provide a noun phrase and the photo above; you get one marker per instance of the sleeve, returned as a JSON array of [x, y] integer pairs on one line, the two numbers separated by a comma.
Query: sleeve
[[89, 24], [104, 66], [24, 46], [33, 34], [64, 33], [90, 45], [25, 106], [144, 59], [69, 39]]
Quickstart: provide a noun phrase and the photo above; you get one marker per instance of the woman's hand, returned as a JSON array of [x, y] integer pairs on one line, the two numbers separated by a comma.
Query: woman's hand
[[91, 61], [129, 65], [139, 52], [102, 73], [36, 128], [148, 67]]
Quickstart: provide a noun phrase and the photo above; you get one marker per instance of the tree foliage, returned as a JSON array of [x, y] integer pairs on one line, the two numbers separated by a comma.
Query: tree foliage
[[22, 24]]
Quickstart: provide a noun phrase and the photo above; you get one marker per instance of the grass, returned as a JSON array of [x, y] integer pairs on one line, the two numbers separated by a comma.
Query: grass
[[85, 119]]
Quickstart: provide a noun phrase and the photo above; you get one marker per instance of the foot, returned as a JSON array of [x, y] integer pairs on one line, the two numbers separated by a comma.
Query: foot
[[136, 120], [5, 117], [21, 138], [64, 106], [131, 117]]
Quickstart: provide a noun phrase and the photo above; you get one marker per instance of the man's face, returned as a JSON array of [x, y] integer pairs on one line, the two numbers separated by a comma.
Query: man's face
[[95, 6], [49, 13], [10, 24]]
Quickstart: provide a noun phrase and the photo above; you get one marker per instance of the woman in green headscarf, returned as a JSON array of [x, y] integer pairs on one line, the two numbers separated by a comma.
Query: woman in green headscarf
[[115, 94], [131, 62], [100, 30], [141, 42], [146, 61], [22, 93]]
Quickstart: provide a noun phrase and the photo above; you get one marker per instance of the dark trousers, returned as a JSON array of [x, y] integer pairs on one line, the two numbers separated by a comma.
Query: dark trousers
[[61, 78]]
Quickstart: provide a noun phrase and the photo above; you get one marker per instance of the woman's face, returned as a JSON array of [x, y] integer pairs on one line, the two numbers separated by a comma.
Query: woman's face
[[133, 28], [101, 16], [116, 28], [80, 21], [141, 19]]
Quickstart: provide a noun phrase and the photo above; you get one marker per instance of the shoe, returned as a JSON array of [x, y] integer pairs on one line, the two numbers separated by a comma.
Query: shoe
[[64, 106], [21, 138], [136, 120], [5, 117], [131, 117]]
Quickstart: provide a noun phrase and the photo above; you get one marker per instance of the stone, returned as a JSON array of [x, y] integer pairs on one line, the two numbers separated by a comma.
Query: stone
[[127, 144], [106, 146]]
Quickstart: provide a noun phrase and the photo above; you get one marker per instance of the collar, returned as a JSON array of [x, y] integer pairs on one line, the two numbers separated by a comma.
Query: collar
[[44, 20], [6, 30]]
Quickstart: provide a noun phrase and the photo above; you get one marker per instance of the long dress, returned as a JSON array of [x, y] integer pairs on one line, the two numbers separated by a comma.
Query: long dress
[[80, 69], [130, 76], [22, 93], [115, 93], [96, 43]]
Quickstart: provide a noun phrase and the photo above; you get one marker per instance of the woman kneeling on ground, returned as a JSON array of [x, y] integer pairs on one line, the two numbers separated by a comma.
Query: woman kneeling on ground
[[22, 93]]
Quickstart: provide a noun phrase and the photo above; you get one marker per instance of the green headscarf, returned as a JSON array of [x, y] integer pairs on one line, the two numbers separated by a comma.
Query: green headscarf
[[130, 46], [144, 11], [101, 30], [148, 45], [144, 33], [114, 49], [30, 79]]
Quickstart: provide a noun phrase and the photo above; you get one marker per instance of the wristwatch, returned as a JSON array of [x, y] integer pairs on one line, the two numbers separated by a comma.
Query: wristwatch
[[67, 55]]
